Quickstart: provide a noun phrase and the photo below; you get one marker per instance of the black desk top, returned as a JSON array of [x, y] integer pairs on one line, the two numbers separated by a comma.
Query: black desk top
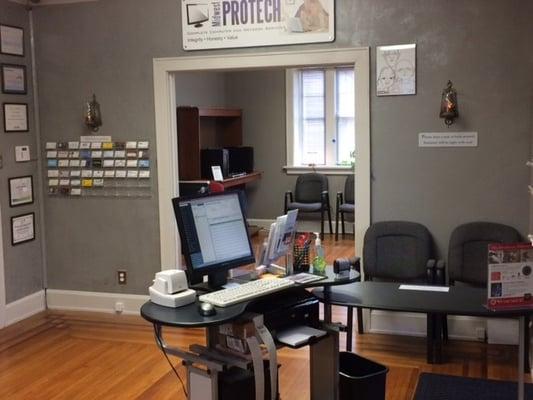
[[189, 317], [460, 300]]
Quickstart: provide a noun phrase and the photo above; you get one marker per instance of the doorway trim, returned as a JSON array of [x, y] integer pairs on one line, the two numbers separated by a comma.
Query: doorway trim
[[166, 126]]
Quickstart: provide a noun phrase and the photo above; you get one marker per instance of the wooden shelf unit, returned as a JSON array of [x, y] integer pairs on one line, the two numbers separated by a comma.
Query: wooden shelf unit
[[201, 128]]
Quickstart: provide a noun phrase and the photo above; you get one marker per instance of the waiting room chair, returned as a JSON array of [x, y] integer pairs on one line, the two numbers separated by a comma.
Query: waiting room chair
[[345, 204], [468, 254], [310, 195], [397, 251]]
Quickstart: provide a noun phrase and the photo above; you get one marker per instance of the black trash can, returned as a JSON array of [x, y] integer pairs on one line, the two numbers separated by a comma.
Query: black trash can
[[361, 378]]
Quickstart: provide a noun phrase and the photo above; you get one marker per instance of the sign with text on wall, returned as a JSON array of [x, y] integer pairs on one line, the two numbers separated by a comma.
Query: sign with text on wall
[[447, 139], [217, 24]]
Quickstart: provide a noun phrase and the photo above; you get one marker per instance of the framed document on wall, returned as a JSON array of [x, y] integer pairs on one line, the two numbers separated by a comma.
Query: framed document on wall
[[15, 117], [20, 191], [12, 40], [13, 79], [22, 228]]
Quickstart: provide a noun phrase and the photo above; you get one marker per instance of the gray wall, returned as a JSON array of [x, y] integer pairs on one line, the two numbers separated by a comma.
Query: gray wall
[[482, 45], [23, 266]]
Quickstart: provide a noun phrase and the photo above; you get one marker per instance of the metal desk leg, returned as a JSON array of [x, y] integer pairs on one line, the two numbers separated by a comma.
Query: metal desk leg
[[434, 338], [324, 367], [521, 355], [327, 305], [349, 329]]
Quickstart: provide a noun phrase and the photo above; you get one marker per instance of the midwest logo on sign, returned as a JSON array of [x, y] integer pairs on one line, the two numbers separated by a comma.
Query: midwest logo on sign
[[219, 24]]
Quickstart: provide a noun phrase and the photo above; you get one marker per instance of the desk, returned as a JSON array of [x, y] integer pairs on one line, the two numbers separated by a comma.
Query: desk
[[460, 300], [323, 355]]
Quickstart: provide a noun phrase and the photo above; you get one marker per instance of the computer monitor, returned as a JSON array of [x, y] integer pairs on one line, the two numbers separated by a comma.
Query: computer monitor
[[214, 236], [196, 14]]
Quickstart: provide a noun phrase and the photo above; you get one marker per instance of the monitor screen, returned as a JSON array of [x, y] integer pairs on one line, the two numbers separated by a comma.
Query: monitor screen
[[214, 234], [197, 13]]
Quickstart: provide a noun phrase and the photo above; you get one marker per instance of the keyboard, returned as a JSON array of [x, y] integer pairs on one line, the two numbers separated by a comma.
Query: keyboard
[[246, 291]]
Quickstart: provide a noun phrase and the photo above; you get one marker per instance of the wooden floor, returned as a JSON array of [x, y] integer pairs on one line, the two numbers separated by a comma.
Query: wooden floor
[[81, 355]]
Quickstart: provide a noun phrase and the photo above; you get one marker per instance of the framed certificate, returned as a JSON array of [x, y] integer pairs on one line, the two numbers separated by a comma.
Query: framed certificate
[[13, 79], [15, 117], [20, 191], [22, 228], [12, 40]]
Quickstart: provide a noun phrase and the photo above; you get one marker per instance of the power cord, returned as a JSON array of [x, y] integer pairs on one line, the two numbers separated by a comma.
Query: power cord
[[160, 343]]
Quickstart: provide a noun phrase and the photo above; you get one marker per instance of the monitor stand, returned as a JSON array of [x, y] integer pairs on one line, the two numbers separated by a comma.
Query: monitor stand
[[215, 281]]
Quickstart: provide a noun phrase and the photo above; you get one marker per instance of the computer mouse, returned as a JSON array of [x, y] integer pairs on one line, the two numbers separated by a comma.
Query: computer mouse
[[207, 309]]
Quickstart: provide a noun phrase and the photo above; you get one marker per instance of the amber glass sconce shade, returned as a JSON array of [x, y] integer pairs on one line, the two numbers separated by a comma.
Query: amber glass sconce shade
[[448, 104], [93, 116]]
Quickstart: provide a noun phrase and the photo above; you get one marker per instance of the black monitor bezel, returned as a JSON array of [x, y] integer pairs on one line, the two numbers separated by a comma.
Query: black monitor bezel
[[196, 275], [195, 22]]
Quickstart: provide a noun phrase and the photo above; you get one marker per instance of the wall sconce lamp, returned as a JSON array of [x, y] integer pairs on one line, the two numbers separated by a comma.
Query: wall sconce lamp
[[93, 117], [448, 104]]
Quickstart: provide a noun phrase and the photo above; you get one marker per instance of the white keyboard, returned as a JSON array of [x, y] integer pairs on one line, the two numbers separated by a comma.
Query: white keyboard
[[246, 291]]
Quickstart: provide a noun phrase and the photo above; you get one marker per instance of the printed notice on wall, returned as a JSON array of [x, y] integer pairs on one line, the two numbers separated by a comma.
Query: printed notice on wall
[[216, 24], [447, 139], [510, 280]]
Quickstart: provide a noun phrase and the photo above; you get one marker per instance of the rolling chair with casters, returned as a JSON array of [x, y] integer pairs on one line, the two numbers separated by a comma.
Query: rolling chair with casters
[[345, 204], [310, 195], [398, 251], [468, 254]]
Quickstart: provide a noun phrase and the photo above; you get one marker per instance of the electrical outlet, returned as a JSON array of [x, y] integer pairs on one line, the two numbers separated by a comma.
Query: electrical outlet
[[122, 276]]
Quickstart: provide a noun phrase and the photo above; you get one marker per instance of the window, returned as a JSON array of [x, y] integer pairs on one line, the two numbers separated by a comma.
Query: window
[[320, 117]]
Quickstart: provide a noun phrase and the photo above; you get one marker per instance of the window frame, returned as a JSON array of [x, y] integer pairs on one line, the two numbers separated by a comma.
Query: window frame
[[292, 101]]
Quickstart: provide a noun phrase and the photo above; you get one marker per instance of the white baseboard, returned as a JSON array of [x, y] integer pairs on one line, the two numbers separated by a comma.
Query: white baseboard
[[73, 300], [25, 307], [303, 225], [414, 324]]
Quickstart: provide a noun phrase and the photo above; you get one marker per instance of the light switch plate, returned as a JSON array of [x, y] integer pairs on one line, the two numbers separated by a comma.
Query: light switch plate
[[22, 153]]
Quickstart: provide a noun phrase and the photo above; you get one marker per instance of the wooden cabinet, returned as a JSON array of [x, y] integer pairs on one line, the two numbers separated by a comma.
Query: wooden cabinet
[[202, 128]]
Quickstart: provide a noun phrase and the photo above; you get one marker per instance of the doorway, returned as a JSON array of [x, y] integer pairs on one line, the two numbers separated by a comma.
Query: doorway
[[166, 127], [2, 280]]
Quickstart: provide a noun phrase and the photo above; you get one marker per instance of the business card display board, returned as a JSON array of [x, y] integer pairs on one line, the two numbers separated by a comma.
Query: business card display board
[[97, 166], [510, 280]]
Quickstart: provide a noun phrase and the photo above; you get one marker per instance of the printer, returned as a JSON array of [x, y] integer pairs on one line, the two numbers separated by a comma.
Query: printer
[[170, 289]]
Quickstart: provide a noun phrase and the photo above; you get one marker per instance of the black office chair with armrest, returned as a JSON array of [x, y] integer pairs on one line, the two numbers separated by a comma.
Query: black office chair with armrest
[[345, 204], [398, 251], [310, 195], [468, 252]]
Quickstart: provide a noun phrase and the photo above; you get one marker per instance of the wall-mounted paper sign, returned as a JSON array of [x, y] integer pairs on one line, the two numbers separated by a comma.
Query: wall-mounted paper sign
[[109, 174], [15, 117], [13, 79], [447, 139], [22, 153], [64, 182], [217, 173], [229, 24], [11, 40], [20, 191], [98, 174]]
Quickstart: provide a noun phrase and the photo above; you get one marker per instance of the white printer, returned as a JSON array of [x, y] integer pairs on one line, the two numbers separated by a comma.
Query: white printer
[[170, 289]]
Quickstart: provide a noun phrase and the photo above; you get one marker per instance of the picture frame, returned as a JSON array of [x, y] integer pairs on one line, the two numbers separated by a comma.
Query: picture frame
[[396, 70], [11, 40], [22, 228], [15, 117], [20, 190], [13, 77]]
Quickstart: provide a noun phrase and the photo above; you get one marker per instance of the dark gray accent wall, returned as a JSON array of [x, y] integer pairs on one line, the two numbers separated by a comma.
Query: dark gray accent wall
[[481, 45], [23, 266]]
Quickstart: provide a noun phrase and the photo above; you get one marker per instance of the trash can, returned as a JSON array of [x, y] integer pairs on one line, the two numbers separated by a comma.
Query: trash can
[[361, 378]]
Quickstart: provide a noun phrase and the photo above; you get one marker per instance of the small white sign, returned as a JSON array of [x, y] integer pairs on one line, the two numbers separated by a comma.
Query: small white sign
[[447, 139], [22, 153], [424, 288], [217, 173]]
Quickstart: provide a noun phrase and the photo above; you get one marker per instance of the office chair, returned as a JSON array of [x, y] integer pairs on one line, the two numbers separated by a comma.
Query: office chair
[[468, 255], [310, 195], [398, 251], [345, 204]]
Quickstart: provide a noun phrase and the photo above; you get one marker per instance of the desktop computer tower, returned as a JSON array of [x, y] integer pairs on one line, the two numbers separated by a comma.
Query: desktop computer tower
[[241, 159], [211, 157]]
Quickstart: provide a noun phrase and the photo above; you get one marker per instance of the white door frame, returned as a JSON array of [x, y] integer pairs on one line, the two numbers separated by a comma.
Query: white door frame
[[2, 280], [166, 127]]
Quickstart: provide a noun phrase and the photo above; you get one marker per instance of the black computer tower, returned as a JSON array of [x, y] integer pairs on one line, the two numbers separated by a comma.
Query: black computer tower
[[241, 159], [212, 157]]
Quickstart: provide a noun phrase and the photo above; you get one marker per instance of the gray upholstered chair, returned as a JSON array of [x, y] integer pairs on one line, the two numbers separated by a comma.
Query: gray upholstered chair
[[468, 255], [310, 195], [397, 251], [345, 204], [468, 250]]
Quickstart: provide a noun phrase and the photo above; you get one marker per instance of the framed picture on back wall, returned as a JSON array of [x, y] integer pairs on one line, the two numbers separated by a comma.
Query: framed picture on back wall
[[12, 40], [15, 117], [13, 79]]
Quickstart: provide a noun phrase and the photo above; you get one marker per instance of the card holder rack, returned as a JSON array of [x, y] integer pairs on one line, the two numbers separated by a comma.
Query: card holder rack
[[93, 169]]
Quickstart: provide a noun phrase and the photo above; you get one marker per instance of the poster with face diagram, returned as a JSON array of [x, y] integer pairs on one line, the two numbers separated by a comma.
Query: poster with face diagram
[[396, 70]]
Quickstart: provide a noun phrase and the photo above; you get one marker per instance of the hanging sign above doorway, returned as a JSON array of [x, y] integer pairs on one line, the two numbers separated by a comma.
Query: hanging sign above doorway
[[217, 24]]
